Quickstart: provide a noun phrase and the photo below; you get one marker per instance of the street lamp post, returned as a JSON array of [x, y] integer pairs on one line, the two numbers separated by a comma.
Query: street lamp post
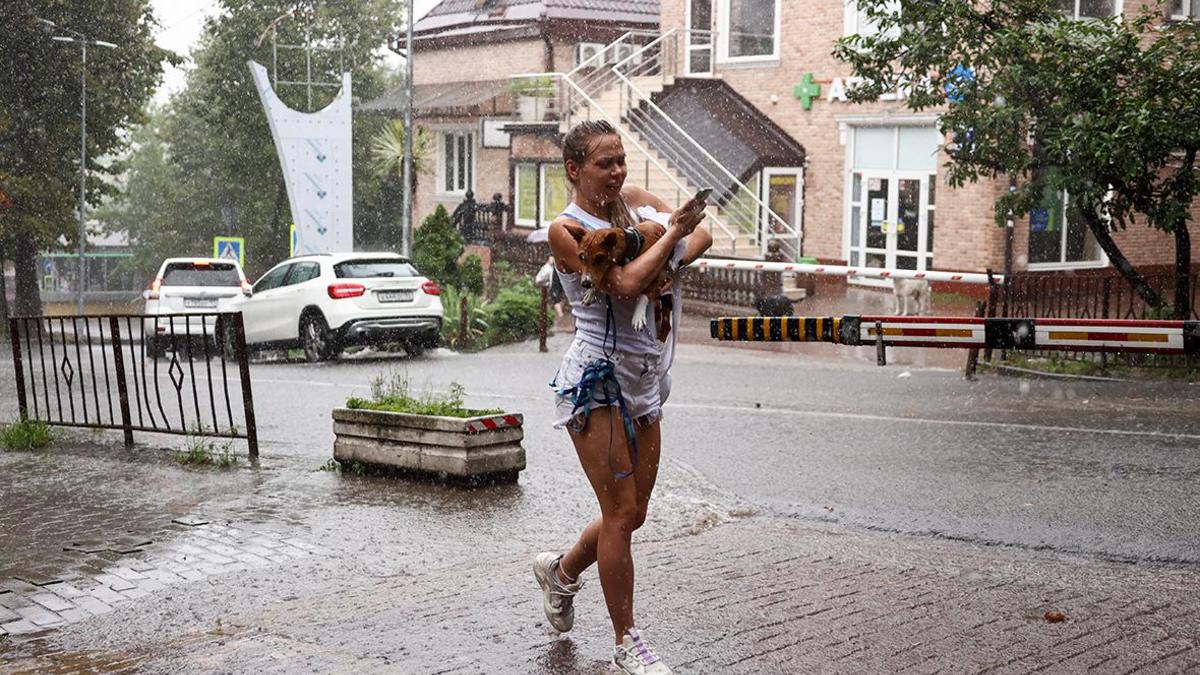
[[83, 41]]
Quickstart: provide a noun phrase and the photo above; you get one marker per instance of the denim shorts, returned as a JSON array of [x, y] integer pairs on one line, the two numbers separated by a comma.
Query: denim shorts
[[644, 384]]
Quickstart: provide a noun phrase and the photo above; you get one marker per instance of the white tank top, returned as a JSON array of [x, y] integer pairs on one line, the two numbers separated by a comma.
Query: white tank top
[[592, 323]]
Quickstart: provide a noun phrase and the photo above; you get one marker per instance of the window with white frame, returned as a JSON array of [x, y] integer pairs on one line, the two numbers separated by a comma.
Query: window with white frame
[[749, 29], [525, 194], [855, 20], [457, 158], [1089, 9], [540, 192], [1182, 10], [1058, 235], [556, 192]]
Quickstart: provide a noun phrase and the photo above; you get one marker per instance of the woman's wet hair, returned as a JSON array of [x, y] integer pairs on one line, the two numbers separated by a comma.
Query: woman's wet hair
[[577, 145]]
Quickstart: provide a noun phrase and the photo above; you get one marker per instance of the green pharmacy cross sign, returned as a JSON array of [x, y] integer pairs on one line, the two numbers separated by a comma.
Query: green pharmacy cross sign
[[806, 91]]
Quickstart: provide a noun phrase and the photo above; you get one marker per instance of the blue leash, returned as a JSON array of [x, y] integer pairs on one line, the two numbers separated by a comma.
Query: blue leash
[[599, 383]]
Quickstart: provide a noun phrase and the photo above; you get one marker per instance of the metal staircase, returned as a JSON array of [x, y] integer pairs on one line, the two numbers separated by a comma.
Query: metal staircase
[[617, 84]]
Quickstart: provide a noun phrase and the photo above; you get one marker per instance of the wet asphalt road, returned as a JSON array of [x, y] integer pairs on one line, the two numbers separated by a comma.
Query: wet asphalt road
[[1104, 469], [1099, 468], [807, 442]]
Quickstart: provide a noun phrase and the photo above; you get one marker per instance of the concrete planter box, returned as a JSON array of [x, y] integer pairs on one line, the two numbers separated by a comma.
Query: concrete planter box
[[470, 448]]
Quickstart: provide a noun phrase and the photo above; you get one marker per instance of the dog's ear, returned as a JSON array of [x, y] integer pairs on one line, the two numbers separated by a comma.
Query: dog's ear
[[576, 230], [610, 238]]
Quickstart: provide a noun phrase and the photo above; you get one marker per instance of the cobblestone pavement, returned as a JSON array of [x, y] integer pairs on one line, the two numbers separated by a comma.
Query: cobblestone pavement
[[759, 595]]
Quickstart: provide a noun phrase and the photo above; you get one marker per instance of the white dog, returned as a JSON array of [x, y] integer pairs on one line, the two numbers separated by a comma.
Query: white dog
[[911, 294]]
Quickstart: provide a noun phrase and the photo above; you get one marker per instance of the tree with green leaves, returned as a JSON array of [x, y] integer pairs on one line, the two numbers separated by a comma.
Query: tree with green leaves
[[219, 155], [437, 247], [1106, 111], [40, 117]]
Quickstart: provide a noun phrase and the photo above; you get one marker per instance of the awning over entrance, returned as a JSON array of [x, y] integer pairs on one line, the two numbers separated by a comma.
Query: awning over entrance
[[447, 98], [726, 125]]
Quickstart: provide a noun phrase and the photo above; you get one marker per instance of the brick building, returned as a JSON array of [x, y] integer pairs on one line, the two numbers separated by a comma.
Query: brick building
[[466, 53], [873, 187], [741, 95]]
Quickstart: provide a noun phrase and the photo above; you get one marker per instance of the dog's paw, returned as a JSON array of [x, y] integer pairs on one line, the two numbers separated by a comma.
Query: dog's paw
[[639, 313]]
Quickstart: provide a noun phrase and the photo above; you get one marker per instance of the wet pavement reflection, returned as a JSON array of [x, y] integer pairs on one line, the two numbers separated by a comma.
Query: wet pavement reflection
[[129, 551]]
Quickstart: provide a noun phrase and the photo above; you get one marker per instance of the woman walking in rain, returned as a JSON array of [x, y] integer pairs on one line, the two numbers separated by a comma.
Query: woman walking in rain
[[612, 382]]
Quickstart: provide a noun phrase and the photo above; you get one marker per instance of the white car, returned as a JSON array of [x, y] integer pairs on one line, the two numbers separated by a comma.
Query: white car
[[325, 302], [189, 286]]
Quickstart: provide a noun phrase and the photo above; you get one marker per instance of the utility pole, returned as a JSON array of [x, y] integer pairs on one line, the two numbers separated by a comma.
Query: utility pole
[[406, 227]]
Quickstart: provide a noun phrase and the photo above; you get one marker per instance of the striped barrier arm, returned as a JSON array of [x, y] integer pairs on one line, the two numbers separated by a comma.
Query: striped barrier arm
[[1163, 337], [704, 264]]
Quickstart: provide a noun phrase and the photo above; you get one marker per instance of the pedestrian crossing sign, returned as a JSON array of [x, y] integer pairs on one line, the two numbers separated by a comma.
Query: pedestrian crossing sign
[[230, 248]]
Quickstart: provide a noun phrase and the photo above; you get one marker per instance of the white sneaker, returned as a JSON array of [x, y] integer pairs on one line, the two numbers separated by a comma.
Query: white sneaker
[[558, 599], [635, 657]]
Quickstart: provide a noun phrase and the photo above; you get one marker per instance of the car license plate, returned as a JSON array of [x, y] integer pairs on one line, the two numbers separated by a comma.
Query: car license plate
[[394, 296], [200, 303]]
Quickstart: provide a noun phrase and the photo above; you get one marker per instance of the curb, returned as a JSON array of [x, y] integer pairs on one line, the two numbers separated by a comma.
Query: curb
[[1014, 371]]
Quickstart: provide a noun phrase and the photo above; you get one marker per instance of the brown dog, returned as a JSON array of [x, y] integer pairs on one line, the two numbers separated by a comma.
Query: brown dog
[[600, 250]]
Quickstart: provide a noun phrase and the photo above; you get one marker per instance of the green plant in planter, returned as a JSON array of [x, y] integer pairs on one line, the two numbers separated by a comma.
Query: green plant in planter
[[393, 393], [539, 86]]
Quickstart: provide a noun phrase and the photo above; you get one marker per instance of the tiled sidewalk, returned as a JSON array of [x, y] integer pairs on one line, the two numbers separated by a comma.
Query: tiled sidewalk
[[760, 595]]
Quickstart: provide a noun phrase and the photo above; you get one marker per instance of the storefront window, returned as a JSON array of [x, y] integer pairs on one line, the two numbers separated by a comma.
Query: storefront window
[[750, 28]]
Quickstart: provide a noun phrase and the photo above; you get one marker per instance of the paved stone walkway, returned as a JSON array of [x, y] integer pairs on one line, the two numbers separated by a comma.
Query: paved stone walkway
[[759, 595]]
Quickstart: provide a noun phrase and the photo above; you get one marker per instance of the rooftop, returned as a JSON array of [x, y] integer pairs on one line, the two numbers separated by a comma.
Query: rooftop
[[456, 13]]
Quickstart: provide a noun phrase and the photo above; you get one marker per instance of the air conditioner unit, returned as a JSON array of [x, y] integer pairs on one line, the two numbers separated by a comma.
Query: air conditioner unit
[[587, 50], [622, 52]]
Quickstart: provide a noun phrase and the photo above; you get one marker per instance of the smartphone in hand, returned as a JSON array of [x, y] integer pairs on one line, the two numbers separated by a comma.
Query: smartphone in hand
[[702, 194]]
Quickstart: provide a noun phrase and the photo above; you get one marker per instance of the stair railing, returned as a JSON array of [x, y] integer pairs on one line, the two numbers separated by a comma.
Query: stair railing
[[573, 91], [745, 209]]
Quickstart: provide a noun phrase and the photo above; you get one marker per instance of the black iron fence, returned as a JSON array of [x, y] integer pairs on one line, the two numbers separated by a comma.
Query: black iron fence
[[1090, 297], [169, 374], [480, 222]]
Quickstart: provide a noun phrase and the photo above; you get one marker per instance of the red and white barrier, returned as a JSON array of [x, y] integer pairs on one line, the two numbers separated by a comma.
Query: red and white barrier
[[1094, 335], [849, 272], [493, 423]]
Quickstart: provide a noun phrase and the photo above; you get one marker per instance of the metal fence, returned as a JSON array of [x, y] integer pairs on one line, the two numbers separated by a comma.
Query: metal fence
[[1089, 297], [1097, 297], [169, 374], [730, 288], [480, 222]]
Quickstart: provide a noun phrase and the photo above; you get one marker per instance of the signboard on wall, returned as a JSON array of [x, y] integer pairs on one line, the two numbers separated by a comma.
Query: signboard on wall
[[314, 151], [492, 134]]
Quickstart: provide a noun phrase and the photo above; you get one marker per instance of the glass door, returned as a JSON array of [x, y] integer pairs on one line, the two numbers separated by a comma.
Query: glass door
[[891, 220], [699, 38], [783, 191]]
